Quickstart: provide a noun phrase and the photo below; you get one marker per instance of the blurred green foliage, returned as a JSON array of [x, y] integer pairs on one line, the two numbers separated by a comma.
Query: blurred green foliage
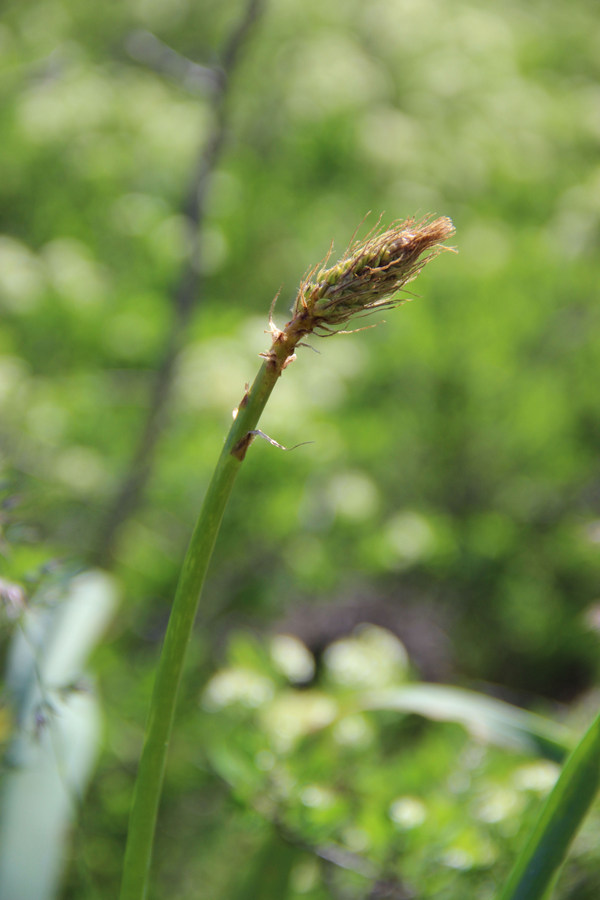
[[438, 813], [451, 492]]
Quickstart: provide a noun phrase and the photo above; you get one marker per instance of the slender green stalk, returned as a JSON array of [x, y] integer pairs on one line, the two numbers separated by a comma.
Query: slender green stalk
[[150, 776], [539, 862], [365, 279]]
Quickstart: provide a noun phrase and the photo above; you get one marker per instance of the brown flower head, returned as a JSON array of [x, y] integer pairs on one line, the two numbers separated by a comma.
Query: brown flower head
[[369, 274]]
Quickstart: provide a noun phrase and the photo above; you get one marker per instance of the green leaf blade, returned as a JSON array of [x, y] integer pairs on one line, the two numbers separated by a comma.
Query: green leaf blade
[[560, 818]]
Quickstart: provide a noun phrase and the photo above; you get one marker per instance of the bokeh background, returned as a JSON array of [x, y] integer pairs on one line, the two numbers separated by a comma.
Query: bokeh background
[[167, 168]]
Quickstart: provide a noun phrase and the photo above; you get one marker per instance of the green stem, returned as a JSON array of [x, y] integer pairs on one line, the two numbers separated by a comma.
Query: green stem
[[359, 283], [148, 786]]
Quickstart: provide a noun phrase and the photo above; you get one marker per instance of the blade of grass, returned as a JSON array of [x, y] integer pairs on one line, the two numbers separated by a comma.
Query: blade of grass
[[561, 816], [485, 717]]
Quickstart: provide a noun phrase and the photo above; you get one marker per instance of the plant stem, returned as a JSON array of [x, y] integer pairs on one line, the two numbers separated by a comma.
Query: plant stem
[[367, 278], [150, 776]]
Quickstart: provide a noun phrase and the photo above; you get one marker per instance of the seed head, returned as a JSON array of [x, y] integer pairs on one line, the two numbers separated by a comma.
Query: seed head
[[369, 275]]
